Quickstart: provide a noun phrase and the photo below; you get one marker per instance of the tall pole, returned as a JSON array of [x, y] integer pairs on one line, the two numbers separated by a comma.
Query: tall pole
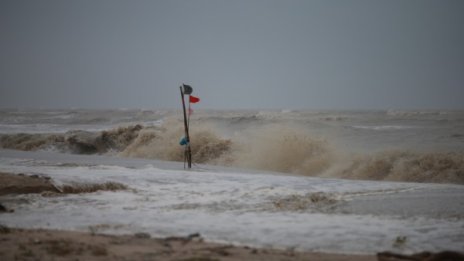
[[188, 150]]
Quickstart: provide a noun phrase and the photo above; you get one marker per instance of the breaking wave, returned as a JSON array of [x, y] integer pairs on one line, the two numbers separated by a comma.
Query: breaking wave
[[272, 147], [163, 143], [410, 166], [30, 142], [80, 142]]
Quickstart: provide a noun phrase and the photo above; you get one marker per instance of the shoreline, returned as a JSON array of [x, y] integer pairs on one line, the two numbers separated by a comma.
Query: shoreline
[[45, 244], [49, 244]]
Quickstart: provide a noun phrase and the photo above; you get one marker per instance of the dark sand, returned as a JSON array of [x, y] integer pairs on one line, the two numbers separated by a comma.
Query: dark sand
[[22, 184], [20, 244]]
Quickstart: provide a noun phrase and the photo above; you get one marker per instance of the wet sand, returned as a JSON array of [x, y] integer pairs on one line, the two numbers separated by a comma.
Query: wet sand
[[22, 184], [21, 244]]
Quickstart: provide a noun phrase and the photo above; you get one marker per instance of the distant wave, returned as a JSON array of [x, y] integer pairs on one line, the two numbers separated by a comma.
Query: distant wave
[[79, 117], [271, 147], [383, 127], [415, 112]]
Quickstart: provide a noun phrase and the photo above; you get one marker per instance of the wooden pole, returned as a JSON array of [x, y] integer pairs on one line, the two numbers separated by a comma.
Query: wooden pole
[[188, 152]]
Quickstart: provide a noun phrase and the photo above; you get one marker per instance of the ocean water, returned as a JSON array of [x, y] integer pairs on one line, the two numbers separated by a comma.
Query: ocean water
[[331, 181], [417, 146]]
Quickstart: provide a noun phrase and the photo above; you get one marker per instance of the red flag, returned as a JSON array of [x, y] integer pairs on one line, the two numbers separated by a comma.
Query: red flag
[[194, 99]]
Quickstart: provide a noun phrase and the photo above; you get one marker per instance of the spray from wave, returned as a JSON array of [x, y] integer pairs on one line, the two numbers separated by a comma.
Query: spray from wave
[[272, 147], [163, 143], [281, 149]]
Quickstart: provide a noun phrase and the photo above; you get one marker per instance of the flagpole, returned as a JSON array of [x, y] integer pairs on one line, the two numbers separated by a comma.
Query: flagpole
[[189, 152], [188, 114]]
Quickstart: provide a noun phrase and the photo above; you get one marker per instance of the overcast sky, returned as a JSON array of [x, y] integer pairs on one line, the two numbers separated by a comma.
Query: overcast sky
[[235, 54]]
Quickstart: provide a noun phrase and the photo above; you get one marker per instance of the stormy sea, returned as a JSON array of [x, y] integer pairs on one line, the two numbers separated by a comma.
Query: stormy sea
[[329, 181]]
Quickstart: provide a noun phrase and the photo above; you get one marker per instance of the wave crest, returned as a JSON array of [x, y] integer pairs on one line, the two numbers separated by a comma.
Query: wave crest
[[408, 166], [77, 141]]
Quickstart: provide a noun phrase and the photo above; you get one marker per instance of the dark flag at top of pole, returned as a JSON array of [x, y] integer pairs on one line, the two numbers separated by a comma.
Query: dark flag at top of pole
[[185, 141], [187, 89]]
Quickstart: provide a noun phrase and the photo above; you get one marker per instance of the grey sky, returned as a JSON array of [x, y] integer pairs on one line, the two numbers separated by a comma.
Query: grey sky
[[236, 54]]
